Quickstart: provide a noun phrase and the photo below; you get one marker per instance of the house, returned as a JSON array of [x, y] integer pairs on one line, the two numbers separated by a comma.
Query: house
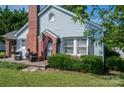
[[52, 31]]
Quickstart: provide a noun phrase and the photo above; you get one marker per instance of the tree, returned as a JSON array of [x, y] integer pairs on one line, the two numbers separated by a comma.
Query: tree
[[20, 18], [11, 20], [111, 18], [114, 37], [79, 10]]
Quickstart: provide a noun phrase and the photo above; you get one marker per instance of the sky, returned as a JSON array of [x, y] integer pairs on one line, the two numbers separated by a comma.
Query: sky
[[12, 7]]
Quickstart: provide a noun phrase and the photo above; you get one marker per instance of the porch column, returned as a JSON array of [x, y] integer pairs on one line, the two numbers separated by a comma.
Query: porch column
[[75, 47], [54, 46], [41, 55], [8, 43], [87, 46]]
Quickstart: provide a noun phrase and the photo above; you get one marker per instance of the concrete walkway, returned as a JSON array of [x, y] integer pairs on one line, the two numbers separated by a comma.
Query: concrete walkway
[[26, 62]]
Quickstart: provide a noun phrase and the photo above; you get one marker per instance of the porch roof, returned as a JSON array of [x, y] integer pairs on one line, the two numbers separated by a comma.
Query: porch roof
[[10, 35]]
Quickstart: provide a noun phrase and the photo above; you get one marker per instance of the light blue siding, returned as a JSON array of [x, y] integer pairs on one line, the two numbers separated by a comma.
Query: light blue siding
[[62, 26], [98, 49], [20, 37]]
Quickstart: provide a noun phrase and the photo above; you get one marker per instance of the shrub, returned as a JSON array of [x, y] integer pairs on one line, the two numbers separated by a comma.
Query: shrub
[[64, 62], [56, 61], [115, 63], [76, 64], [122, 65], [85, 64], [92, 64], [110, 52], [8, 65], [2, 54]]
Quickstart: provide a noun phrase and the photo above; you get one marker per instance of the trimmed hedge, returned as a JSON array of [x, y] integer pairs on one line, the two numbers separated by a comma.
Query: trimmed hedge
[[115, 63], [15, 66], [94, 63], [64, 62], [84, 64]]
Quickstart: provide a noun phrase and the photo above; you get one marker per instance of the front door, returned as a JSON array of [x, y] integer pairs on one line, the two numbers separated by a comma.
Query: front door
[[49, 49]]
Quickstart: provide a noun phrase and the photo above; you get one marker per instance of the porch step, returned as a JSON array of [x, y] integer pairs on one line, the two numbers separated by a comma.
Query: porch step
[[33, 69], [35, 66]]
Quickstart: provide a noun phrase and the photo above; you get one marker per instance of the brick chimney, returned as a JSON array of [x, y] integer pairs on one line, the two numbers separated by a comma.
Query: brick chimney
[[32, 37]]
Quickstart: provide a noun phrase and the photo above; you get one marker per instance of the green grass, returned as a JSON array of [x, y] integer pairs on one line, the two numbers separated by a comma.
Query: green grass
[[13, 78]]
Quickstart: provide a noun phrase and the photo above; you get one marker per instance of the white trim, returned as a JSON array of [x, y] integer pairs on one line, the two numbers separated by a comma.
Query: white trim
[[47, 31], [57, 7], [75, 46], [21, 29], [87, 46]]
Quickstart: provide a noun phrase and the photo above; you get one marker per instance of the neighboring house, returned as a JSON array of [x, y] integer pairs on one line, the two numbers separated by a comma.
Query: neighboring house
[[2, 46], [52, 31]]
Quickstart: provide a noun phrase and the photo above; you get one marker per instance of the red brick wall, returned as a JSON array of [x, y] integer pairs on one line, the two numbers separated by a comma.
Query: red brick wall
[[33, 43], [41, 55], [54, 42], [32, 37], [8, 47]]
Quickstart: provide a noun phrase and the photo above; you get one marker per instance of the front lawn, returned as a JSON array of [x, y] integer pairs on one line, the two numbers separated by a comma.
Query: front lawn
[[13, 78]]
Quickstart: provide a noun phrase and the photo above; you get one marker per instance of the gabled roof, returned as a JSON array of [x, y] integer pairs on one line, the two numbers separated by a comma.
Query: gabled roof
[[63, 10], [59, 8], [10, 35], [69, 13], [48, 31], [26, 25]]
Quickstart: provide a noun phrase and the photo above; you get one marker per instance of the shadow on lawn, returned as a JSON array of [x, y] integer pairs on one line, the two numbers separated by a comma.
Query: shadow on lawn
[[115, 76], [122, 81]]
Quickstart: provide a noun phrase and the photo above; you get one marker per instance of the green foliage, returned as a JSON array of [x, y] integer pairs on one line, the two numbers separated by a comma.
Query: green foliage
[[93, 64], [64, 62], [11, 20], [110, 52], [79, 10], [110, 17], [85, 64], [115, 63], [2, 54], [9, 65]]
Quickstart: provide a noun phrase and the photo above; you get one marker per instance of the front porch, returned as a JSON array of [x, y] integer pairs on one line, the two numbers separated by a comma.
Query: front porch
[[10, 43]]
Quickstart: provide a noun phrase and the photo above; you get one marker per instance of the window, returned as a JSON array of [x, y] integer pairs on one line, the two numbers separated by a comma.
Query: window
[[23, 42], [81, 46], [51, 17], [81, 42], [81, 50], [76, 46], [69, 46]]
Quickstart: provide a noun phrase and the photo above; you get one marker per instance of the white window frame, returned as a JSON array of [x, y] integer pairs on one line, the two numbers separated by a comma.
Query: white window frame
[[22, 42], [69, 46], [75, 47]]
